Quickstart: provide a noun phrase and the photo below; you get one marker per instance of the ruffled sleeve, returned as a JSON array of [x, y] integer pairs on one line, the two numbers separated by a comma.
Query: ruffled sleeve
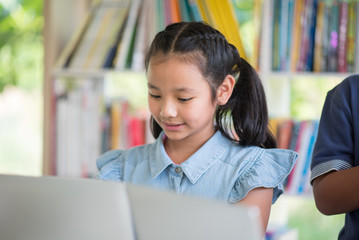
[[269, 170], [110, 166]]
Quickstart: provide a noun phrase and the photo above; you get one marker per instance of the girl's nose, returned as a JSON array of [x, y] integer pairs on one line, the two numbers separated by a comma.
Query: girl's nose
[[168, 110]]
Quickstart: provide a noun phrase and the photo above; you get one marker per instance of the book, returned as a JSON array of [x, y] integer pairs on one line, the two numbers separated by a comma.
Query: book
[[117, 34], [185, 11], [67, 54], [80, 54], [324, 62], [160, 16], [298, 8], [225, 17], [312, 130], [141, 42], [333, 36], [174, 11], [257, 26], [319, 38], [151, 26], [305, 23], [292, 146], [273, 126], [350, 50], [299, 136], [167, 12], [312, 19], [305, 185], [115, 124], [119, 123], [342, 37], [78, 111], [357, 39], [129, 57], [212, 14], [61, 135], [276, 35], [106, 127], [94, 49], [203, 11], [284, 134], [283, 35], [123, 50], [194, 11], [293, 178], [136, 131], [99, 46], [289, 32]]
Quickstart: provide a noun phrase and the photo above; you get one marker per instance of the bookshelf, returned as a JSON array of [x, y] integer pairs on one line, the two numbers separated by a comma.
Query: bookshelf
[[57, 31], [281, 85]]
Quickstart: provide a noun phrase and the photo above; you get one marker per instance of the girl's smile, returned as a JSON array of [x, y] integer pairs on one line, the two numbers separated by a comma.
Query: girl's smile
[[172, 126]]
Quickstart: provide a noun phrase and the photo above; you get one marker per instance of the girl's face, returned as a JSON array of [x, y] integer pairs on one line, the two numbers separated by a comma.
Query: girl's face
[[179, 99]]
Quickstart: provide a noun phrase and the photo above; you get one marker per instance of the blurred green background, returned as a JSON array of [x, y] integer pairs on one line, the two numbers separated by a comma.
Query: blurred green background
[[21, 81]]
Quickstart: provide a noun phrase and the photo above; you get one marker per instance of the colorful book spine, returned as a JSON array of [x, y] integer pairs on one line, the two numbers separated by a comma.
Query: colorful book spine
[[125, 44], [357, 39], [342, 38], [350, 50], [299, 136], [333, 36], [257, 26], [194, 11], [289, 32], [326, 40], [312, 19], [306, 16], [276, 35], [116, 35], [318, 43], [78, 132], [298, 8]]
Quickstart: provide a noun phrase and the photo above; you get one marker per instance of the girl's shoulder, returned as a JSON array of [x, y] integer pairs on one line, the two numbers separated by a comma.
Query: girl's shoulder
[[111, 163], [258, 167], [109, 157], [251, 155]]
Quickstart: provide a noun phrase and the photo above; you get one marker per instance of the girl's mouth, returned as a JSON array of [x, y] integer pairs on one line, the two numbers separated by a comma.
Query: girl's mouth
[[173, 127]]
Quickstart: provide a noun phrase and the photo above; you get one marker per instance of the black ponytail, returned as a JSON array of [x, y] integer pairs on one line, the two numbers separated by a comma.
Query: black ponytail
[[244, 118], [246, 111]]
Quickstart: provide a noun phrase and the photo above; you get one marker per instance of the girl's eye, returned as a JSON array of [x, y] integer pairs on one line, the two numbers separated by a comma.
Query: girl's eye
[[154, 96], [184, 99]]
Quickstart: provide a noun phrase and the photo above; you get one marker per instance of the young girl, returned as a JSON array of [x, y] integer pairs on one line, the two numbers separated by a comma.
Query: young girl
[[191, 72]]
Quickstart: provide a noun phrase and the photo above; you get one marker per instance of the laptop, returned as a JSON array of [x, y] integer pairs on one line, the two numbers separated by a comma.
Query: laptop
[[164, 215], [55, 208]]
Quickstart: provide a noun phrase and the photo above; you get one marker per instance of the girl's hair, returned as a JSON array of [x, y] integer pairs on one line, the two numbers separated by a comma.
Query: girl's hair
[[244, 118]]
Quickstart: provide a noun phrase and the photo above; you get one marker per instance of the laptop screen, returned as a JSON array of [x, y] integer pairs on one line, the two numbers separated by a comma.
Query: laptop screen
[[54, 208], [51, 208]]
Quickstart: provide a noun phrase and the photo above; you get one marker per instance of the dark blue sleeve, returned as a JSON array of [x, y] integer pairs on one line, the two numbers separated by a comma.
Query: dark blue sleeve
[[334, 145]]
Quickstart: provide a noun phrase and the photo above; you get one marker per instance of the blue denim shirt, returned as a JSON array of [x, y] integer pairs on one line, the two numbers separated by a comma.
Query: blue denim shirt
[[221, 169]]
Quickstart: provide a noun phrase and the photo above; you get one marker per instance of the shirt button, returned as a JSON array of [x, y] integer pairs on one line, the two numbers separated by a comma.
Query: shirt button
[[177, 169]]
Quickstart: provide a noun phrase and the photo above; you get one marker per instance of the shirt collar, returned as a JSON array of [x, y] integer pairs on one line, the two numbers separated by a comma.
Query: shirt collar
[[159, 159], [196, 165]]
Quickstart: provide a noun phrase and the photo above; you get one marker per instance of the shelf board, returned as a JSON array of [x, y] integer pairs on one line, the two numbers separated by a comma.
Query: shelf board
[[309, 75], [93, 73]]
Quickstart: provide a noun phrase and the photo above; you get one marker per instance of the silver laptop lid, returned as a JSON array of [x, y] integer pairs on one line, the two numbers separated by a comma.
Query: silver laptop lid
[[52, 208], [164, 215]]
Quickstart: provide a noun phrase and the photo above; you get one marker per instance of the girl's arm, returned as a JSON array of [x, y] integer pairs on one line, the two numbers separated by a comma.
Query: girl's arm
[[337, 191], [261, 198]]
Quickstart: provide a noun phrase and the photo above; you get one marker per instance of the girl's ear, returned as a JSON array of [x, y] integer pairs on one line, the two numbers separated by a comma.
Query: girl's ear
[[225, 90]]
